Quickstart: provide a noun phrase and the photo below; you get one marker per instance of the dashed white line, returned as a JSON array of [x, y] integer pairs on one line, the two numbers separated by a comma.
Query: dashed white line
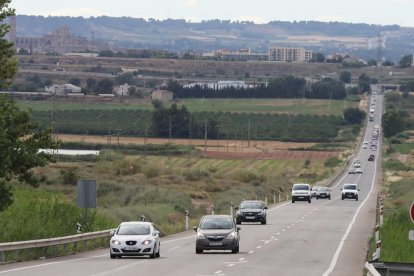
[[250, 252], [259, 246], [241, 259], [230, 265]]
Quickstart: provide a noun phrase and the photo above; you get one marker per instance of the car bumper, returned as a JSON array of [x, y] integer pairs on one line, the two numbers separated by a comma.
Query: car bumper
[[350, 195], [216, 245], [122, 250], [301, 197], [251, 218], [323, 195]]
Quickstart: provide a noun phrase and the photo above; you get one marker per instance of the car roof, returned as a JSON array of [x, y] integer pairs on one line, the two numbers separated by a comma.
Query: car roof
[[255, 201], [216, 216], [136, 222], [301, 184]]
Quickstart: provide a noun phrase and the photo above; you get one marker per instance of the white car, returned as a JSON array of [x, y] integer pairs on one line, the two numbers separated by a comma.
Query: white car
[[301, 192], [350, 191], [365, 145], [135, 238]]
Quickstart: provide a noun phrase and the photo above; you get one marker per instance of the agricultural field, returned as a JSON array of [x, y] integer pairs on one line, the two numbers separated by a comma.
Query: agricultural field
[[272, 106]]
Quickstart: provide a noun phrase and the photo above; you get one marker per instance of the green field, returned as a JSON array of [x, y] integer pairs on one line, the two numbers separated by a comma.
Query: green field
[[293, 106]]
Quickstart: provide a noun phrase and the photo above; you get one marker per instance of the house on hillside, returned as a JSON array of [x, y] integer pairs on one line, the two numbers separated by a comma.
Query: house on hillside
[[63, 90], [123, 90], [162, 95]]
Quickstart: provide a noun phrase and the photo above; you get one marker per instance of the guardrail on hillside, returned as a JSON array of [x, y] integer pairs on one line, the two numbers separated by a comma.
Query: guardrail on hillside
[[52, 242]]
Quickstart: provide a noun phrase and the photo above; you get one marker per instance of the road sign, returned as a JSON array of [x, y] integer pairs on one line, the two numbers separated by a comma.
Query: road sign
[[412, 212]]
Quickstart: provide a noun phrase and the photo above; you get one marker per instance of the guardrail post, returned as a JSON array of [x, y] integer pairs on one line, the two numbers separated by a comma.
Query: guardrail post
[[212, 209], [75, 246], [187, 213], [287, 197], [2, 257], [231, 209], [381, 215], [378, 250], [266, 199], [377, 233], [16, 254], [274, 198], [280, 198]]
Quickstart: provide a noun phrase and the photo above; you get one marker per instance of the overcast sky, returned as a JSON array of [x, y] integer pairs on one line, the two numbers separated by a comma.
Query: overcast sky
[[383, 12]]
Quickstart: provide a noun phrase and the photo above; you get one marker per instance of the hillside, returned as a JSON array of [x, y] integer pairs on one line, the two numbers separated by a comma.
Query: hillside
[[181, 35]]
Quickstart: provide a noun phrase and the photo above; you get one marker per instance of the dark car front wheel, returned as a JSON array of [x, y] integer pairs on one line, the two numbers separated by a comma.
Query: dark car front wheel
[[235, 250], [263, 222], [199, 251]]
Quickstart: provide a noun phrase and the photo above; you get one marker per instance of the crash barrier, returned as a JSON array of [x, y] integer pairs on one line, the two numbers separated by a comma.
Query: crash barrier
[[24, 249]]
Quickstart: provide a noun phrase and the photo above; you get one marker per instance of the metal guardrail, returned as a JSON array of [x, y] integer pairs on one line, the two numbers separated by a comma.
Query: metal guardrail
[[371, 270], [44, 243]]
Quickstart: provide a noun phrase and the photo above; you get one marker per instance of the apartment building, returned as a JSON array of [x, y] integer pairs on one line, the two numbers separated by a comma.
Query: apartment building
[[289, 54]]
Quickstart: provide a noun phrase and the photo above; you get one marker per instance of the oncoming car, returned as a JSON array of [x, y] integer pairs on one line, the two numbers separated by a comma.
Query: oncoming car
[[217, 232], [301, 192], [251, 211], [350, 191], [323, 192], [314, 191], [135, 238]]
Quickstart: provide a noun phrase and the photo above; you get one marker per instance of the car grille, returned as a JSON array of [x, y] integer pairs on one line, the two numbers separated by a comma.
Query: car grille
[[250, 214], [215, 238], [131, 251], [131, 242]]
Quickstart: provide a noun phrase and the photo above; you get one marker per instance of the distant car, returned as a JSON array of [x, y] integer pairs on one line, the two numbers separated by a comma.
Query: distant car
[[358, 170], [314, 191], [371, 157], [301, 192], [373, 147], [217, 232], [365, 145], [135, 238], [251, 211], [323, 192], [351, 171], [350, 191]]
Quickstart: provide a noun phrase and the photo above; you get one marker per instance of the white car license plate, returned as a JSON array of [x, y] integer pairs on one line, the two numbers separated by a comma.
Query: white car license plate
[[215, 243], [250, 217], [131, 248]]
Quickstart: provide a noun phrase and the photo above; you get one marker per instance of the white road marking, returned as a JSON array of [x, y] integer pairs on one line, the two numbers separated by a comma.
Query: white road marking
[[218, 272], [118, 269], [341, 244], [278, 234], [266, 242], [273, 237], [251, 252], [280, 206], [288, 227], [283, 230], [189, 237], [230, 265], [259, 246], [241, 259]]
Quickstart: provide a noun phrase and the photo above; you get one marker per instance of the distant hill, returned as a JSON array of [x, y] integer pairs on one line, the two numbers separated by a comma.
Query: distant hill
[[181, 35]]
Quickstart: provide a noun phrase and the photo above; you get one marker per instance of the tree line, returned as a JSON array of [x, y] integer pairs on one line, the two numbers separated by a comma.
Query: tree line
[[281, 87]]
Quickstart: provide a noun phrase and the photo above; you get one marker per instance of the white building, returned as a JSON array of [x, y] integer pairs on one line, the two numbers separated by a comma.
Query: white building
[[289, 54], [63, 90], [219, 85], [123, 90], [162, 95]]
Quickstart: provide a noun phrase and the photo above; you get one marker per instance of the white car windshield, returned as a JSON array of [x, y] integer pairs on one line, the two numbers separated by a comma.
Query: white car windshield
[[301, 187], [131, 229], [250, 205], [350, 187]]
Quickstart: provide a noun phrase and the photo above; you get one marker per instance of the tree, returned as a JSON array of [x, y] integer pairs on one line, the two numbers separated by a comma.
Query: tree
[[388, 63], [392, 123], [406, 61], [75, 81], [8, 62], [318, 57], [125, 78], [372, 62], [345, 77], [105, 86], [354, 116], [20, 141], [364, 83]]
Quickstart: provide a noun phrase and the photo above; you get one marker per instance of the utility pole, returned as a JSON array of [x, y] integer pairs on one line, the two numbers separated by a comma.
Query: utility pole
[[169, 128], [248, 135], [205, 136], [190, 128], [118, 130]]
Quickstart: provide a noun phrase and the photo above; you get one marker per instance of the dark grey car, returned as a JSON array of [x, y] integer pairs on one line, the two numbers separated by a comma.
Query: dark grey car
[[251, 211], [217, 232]]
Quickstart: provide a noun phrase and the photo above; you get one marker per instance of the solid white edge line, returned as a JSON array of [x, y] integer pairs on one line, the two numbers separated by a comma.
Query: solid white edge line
[[348, 230]]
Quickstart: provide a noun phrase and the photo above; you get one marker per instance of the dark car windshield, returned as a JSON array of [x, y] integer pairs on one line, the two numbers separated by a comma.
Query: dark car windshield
[[216, 223], [133, 229], [251, 205], [301, 187], [350, 187], [323, 189]]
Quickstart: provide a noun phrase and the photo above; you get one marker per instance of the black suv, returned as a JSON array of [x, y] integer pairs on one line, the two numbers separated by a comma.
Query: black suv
[[251, 211], [371, 157]]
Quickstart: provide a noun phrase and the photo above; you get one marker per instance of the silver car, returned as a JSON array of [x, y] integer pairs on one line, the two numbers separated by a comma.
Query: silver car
[[135, 238]]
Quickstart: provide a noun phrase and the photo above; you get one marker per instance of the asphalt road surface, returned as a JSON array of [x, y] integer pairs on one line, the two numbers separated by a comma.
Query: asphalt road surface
[[325, 237]]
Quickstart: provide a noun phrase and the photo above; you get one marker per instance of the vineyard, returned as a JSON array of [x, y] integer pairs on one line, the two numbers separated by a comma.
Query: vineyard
[[242, 126]]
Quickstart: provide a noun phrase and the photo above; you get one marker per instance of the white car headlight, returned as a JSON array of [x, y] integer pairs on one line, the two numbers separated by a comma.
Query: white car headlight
[[146, 242], [200, 236], [231, 236], [116, 242]]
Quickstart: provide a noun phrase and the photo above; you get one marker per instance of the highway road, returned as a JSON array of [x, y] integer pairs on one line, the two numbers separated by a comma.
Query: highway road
[[325, 237]]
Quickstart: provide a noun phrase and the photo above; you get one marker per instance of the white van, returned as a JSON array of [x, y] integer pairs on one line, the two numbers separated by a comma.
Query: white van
[[301, 191]]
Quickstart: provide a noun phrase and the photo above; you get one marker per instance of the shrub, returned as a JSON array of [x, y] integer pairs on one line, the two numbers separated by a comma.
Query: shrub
[[246, 177], [69, 176], [151, 171]]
